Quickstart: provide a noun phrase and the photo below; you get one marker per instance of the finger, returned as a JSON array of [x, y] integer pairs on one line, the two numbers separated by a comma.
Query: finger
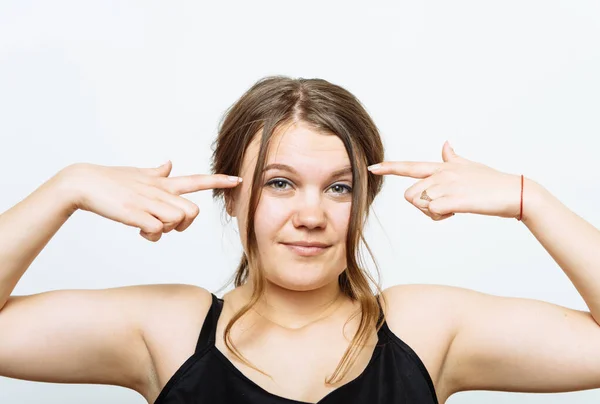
[[190, 209], [191, 213], [447, 204], [413, 193], [448, 152], [171, 216], [143, 220], [154, 237], [198, 182], [414, 169], [161, 171], [434, 216], [438, 218], [450, 156], [434, 192]]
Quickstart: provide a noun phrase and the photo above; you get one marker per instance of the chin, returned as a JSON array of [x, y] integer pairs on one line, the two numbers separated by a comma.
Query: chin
[[303, 278]]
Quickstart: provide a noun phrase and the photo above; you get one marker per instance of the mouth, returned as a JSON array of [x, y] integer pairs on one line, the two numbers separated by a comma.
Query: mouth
[[306, 249]]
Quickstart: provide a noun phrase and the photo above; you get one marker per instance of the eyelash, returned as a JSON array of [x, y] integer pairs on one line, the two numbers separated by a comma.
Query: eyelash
[[275, 180]]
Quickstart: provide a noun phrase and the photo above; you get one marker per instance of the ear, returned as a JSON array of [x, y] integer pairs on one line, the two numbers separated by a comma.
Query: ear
[[230, 205]]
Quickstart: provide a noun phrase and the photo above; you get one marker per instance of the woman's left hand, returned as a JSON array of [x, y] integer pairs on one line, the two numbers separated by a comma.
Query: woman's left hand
[[457, 185]]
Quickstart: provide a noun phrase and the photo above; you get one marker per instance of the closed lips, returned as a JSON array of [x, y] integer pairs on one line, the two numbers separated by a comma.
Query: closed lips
[[307, 244]]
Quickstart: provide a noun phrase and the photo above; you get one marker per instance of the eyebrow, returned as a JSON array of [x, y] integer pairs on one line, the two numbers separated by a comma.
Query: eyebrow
[[336, 174]]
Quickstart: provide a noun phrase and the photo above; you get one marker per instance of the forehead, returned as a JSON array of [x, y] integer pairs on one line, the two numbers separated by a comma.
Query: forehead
[[302, 147]]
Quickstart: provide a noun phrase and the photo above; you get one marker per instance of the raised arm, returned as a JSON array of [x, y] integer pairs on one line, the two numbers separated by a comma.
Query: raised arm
[[504, 343], [92, 336], [63, 336], [27, 227]]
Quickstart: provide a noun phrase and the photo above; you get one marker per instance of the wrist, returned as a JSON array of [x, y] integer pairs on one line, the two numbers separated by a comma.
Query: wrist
[[64, 187]]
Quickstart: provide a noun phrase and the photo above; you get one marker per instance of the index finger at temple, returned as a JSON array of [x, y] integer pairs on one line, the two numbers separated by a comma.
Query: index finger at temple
[[198, 182], [414, 169]]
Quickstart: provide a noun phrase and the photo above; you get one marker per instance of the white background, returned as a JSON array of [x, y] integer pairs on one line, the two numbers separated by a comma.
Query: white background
[[511, 84]]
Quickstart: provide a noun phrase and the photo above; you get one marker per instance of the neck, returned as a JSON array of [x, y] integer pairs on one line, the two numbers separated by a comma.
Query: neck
[[295, 309]]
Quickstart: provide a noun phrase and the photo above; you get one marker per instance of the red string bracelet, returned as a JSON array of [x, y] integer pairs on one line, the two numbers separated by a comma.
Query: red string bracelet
[[521, 212]]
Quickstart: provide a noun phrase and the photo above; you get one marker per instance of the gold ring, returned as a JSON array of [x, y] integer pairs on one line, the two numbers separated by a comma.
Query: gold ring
[[425, 196]]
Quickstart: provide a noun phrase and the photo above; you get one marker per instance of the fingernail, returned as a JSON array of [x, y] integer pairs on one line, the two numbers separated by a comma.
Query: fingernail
[[374, 167], [233, 178]]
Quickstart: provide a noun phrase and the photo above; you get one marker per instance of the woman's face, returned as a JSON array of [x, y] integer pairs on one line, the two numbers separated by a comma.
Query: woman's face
[[306, 198]]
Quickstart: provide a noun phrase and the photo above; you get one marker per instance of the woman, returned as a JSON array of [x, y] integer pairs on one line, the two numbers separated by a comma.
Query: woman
[[302, 324]]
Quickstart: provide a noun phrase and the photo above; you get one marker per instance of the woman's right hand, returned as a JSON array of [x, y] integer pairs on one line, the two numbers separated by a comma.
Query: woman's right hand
[[108, 336], [146, 198]]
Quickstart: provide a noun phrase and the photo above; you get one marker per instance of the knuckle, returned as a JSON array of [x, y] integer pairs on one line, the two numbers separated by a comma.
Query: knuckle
[[153, 237], [156, 227], [179, 215], [194, 210], [183, 226], [173, 220], [434, 215], [435, 210]]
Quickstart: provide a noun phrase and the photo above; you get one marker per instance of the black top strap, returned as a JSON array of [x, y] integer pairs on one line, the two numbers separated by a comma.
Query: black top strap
[[209, 327]]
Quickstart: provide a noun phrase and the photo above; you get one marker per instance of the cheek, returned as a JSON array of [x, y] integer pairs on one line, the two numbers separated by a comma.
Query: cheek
[[271, 215], [340, 218]]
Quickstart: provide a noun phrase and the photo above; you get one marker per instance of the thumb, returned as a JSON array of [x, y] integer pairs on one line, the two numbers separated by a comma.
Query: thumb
[[163, 170], [448, 153]]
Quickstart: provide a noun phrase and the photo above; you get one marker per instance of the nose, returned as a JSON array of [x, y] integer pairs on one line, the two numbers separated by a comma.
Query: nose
[[309, 213]]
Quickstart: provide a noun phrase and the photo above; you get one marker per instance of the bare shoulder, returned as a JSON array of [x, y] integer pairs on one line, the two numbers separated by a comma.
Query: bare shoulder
[[129, 336], [422, 297], [171, 324], [425, 317]]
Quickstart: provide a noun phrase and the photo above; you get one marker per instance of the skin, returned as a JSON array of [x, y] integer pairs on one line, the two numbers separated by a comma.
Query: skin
[[467, 340], [306, 205], [302, 305]]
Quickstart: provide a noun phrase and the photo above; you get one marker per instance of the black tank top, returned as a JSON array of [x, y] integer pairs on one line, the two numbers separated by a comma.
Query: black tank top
[[395, 374]]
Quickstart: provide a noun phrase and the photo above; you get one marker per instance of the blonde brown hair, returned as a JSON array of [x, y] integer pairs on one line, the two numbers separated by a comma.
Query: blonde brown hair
[[326, 107]]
